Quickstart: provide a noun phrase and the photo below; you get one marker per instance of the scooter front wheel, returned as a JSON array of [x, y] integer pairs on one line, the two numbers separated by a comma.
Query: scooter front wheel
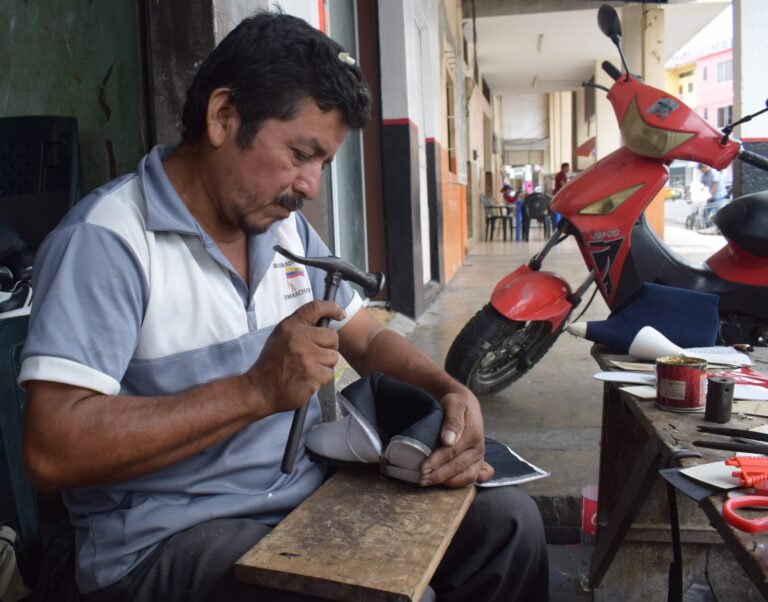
[[491, 352]]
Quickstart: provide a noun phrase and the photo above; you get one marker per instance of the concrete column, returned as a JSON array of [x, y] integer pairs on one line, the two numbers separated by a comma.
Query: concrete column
[[750, 47], [566, 128], [643, 42], [560, 148], [632, 37], [607, 134]]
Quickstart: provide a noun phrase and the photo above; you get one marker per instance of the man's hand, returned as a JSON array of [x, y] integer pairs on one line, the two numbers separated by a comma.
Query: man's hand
[[298, 358], [459, 460]]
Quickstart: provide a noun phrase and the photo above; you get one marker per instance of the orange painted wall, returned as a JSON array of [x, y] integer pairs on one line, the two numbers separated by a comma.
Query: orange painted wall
[[454, 199], [654, 213]]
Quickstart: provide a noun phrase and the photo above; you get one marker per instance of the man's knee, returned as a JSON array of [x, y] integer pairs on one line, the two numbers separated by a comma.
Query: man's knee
[[512, 509]]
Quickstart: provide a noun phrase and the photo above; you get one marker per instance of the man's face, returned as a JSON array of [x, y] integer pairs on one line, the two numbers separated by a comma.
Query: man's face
[[279, 170]]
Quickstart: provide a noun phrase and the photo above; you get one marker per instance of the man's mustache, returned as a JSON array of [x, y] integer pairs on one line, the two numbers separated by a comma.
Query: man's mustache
[[291, 202]]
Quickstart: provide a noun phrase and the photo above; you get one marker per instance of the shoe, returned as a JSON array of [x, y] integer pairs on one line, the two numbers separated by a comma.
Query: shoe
[[386, 422]]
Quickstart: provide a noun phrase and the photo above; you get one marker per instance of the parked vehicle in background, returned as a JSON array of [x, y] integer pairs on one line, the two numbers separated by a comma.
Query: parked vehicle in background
[[603, 209]]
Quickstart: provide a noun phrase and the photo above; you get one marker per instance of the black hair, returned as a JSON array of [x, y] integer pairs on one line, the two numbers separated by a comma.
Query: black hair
[[564, 165], [271, 62]]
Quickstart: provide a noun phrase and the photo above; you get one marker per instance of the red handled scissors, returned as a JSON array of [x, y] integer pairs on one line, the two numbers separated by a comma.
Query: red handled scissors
[[756, 525]]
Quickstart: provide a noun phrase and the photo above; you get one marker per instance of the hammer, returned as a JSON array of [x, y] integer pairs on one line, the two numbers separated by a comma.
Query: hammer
[[336, 270]]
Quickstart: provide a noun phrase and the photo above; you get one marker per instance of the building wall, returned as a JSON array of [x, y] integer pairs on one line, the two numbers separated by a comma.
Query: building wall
[[525, 117], [681, 82], [413, 199], [76, 59], [456, 208], [750, 20], [712, 94]]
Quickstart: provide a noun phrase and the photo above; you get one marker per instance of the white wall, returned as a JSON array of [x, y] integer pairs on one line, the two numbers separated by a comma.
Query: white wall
[[750, 24], [524, 116], [228, 13], [394, 63]]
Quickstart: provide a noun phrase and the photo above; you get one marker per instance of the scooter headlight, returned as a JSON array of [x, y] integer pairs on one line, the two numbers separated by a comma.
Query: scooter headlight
[[609, 203], [648, 141]]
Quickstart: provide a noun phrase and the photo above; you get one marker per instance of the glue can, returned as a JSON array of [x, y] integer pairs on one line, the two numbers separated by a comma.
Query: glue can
[[588, 527]]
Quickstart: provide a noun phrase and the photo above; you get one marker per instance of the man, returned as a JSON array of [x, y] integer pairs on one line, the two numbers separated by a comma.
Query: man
[[167, 346], [561, 177], [508, 194], [713, 182]]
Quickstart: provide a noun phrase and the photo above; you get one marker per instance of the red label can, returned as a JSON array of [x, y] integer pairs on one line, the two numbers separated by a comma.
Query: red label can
[[681, 383]]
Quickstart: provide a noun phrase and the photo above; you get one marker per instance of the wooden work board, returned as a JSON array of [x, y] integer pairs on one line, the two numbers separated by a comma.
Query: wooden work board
[[359, 537]]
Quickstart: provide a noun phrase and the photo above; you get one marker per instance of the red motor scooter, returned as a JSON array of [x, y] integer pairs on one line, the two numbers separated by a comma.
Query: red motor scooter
[[603, 209]]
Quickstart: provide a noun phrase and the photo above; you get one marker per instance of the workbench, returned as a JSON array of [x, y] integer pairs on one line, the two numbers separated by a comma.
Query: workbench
[[634, 549], [361, 538]]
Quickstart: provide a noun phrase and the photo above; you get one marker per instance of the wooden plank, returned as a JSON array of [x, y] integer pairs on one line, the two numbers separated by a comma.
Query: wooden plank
[[359, 537]]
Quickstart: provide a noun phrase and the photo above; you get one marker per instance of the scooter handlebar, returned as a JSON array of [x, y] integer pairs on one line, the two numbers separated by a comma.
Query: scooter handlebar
[[613, 72], [754, 159]]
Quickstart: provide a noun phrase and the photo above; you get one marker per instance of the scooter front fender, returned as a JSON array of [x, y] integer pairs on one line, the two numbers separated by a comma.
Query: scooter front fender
[[528, 295]]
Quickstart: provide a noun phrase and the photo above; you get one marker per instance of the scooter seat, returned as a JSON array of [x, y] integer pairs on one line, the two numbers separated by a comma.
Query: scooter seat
[[744, 221]]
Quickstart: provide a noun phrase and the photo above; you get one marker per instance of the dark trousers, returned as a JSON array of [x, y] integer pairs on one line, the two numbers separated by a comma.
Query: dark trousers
[[498, 553]]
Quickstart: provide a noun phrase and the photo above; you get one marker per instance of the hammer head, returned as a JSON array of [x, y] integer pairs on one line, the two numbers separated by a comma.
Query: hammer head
[[369, 282]]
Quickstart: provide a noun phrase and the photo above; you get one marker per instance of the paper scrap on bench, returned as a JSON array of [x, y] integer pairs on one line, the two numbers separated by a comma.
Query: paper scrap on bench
[[648, 385], [750, 393], [634, 366], [753, 408], [635, 378], [716, 474], [722, 356], [650, 344], [641, 391]]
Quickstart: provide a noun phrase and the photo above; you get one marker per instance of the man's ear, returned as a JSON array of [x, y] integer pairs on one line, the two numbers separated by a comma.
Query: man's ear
[[221, 119]]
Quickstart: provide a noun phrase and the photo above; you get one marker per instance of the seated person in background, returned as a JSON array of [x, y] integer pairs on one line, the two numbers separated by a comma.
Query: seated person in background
[[167, 345], [508, 194]]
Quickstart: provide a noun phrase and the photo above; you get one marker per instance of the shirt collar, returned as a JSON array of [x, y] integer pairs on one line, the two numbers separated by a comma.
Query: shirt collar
[[166, 210]]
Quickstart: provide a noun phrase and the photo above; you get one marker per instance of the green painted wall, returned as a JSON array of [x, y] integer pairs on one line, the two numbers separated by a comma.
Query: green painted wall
[[77, 58]]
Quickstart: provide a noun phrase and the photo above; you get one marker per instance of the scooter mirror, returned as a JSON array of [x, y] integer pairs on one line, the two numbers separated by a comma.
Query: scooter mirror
[[609, 23]]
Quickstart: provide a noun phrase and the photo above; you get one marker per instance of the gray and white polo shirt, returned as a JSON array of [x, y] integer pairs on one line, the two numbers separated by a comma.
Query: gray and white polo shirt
[[132, 297]]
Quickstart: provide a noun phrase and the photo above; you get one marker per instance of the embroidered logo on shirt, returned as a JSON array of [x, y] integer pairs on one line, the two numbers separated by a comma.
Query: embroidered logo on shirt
[[295, 276]]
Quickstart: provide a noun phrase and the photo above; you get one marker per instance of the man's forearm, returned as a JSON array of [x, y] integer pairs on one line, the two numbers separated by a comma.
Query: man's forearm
[[392, 354], [74, 437]]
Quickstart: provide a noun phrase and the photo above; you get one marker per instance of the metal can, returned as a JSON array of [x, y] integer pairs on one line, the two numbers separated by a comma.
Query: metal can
[[681, 383]]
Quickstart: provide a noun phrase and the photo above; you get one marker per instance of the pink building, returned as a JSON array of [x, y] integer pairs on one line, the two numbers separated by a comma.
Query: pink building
[[714, 87]]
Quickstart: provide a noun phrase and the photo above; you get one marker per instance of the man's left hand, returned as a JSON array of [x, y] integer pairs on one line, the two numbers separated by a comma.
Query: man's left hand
[[459, 459]]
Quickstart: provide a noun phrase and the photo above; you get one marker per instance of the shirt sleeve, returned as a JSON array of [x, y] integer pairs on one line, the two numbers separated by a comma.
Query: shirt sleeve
[[346, 296], [90, 292]]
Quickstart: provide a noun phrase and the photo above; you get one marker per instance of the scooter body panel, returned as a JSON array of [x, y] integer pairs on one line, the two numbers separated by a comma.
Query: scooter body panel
[[528, 295], [621, 185], [650, 260], [737, 265], [698, 141]]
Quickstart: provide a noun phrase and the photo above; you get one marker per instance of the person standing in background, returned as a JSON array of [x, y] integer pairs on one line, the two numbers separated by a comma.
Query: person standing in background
[[713, 182], [561, 178]]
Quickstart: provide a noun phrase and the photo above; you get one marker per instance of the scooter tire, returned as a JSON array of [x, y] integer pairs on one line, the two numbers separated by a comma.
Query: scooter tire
[[491, 351]]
